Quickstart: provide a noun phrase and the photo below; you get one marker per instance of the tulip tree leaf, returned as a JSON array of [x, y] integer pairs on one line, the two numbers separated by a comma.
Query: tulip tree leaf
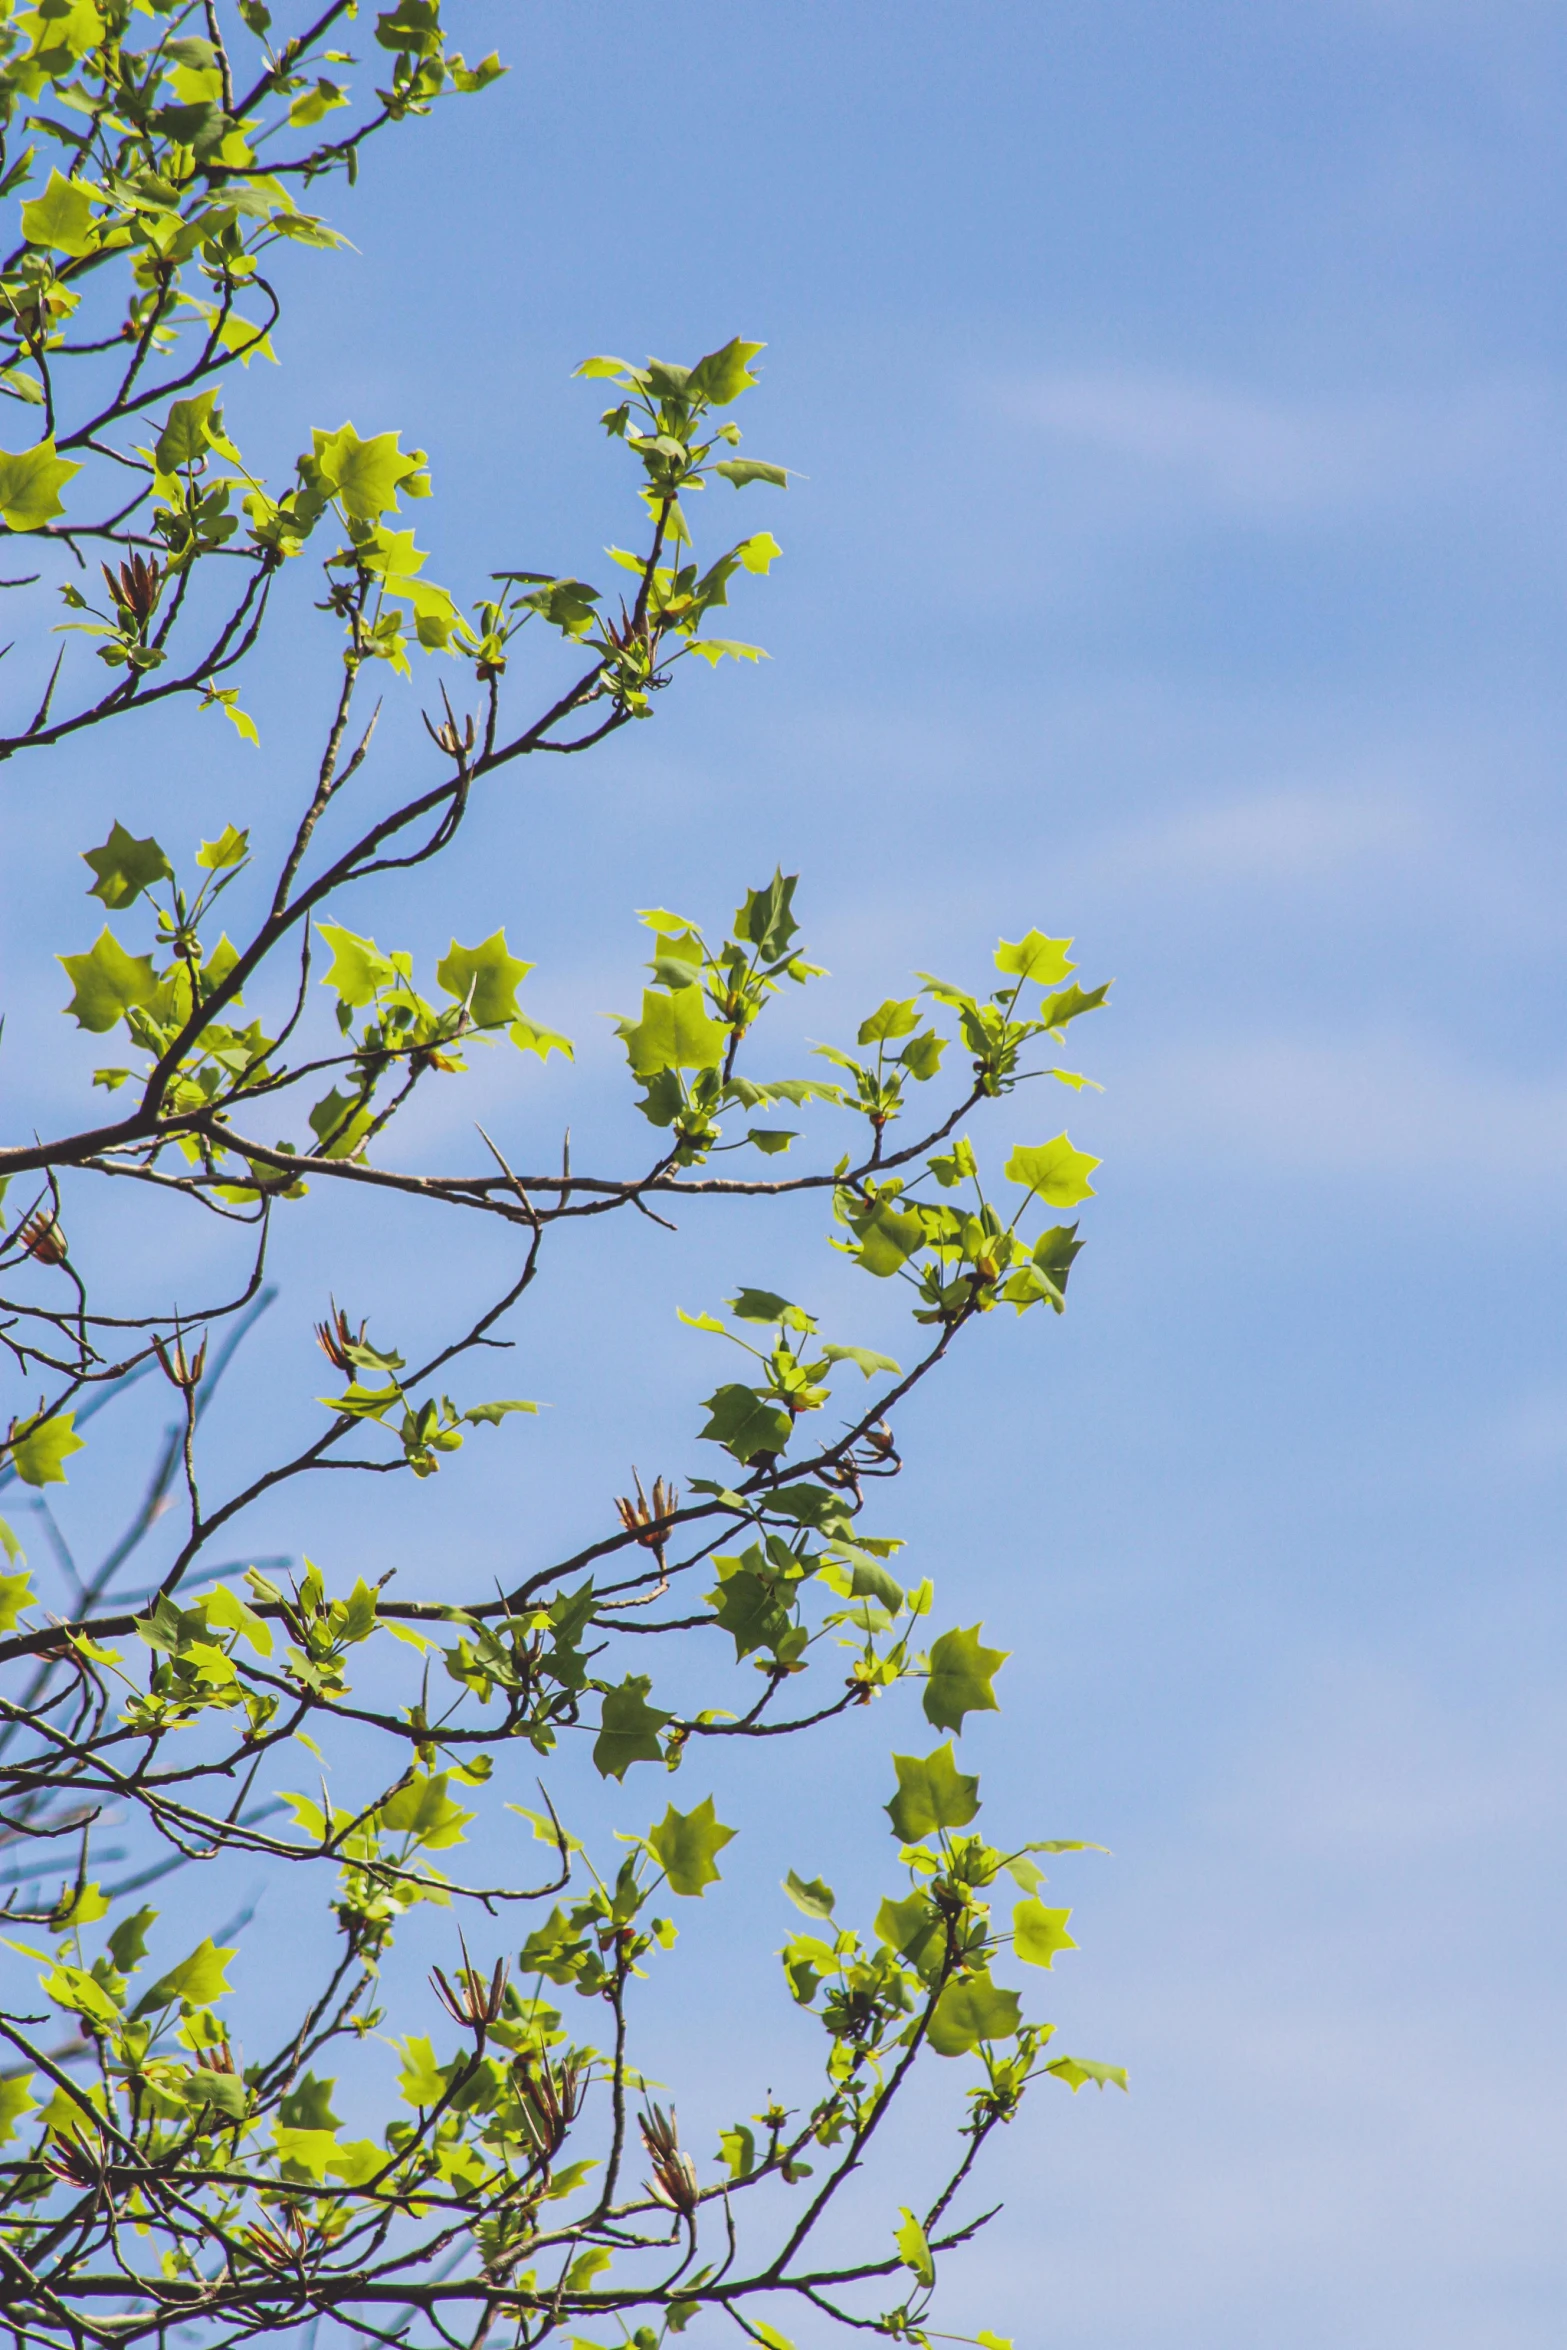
[[628, 1728], [16, 1592], [932, 1793], [30, 485], [38, 1450], [1057, 1010], [484, 977], [810, 1894], [61, 219], [107, 982], [745, 1423], [16, 2101], [1053, 1170], [973, 2008], [1039, 1934], [684, 1844], [1036, 957], [960, 1677], [197, 1980], [914, 2248], [125, 867], [674, 1032], [1075, 2070]]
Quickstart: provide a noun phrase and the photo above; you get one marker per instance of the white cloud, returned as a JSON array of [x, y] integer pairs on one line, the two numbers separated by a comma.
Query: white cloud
[[1290, 832], [1261, 455], [1384, 1102]]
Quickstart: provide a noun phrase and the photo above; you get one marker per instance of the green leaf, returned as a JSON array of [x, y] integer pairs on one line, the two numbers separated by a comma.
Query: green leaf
[[198, 1980], [8, 1542], [423, 1809], [674, 1032], [1057, 1010], [628, 1728], [364, 476], [227, 1612], [750, 1609], [742, 470], [766, 920], [16, 1592], [1053, 1170], [684, 1843], [888, 1237], [765, 1305], [890, 1020], [960, 1675], [932, 1793], [723, 375], [107, 982], [587, 2265], [737, 2149], [40, 1446], [308, 2105], [1038, 1934], [811, 1895], [1036, 957], [1075, 2070], [128, 1942], [772, 1139], [187, 437], [745, 1423], [340, 1124], [359, 968], [490, 1415], [30, 485], [412, 24], [61, 219], [970, 2009], [421, 2080], [125, 867], [914, 2249], [74, 1988], [914, 1928], [486, 978], [543, 1041], [230, 848], [863, 1359], [223, 2090], [16, 2099], [955, 1166]]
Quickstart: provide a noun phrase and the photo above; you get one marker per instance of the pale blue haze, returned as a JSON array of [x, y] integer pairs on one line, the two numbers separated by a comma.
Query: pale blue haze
[[1179, 394]]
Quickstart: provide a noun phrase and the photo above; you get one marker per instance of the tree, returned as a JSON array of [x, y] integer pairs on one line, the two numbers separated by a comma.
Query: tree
[[523, 2179]]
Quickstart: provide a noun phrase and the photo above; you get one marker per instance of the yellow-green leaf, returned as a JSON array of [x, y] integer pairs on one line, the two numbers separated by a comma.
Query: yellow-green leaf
[[684, 1843], [30, 485], [198, 1979], [960, 1677], [485, 977], [1039, 1935], [61, 219], [107, 982], [1044, 960], [1053, 1170], [40, 1446]]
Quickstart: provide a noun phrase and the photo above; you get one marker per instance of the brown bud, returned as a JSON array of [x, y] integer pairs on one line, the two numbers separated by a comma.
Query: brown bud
[[181, 1371], [43, 1237], [649, 1519], [336, 1335], [674, 2180]]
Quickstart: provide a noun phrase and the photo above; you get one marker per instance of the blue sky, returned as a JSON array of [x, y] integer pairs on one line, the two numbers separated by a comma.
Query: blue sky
[[1177, 563]]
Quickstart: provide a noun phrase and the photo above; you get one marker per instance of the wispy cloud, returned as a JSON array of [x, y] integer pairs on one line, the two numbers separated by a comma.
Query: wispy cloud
[[1384, 1102], [1265, 455]]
